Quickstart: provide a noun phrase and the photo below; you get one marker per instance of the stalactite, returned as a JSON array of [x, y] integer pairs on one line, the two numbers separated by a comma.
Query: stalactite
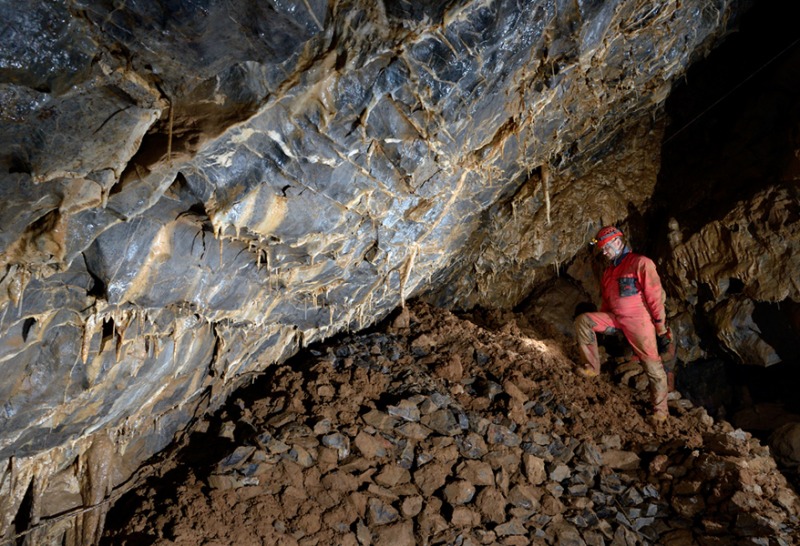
[[406, 273], [89, 329], [546, 184], [95, 471]]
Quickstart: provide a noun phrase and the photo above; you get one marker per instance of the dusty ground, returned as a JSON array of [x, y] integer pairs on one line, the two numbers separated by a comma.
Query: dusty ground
[[441, 429]]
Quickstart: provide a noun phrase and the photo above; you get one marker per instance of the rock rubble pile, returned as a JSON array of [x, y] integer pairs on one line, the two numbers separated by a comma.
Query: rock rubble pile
[[441, 431]]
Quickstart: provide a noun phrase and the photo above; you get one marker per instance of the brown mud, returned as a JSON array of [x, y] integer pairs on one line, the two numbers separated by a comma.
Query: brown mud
[[440, 429]]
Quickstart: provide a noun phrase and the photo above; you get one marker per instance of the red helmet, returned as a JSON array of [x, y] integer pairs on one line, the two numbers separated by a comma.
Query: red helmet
[[606, 235]]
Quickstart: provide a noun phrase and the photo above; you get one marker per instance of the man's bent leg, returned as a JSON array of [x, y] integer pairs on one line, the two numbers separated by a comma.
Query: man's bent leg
[[658, 386], [585, 327], [641, 335]]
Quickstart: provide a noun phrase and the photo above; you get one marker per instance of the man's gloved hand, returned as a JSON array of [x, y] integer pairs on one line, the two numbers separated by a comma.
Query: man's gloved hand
[[663, 341]]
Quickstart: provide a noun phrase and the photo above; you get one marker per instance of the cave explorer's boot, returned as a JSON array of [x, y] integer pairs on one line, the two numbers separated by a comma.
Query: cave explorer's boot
[[672, 394], [657, 378]]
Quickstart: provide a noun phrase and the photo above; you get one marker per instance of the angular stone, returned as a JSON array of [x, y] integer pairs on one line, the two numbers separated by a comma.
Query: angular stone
[[339, 442], [513, 527], [396, 534], [301, 456], [459, 492], [476, 472], [555, 489], [412, 506], [687, 487], [611, 442], [621, 460], [239, 456], [788, 500], [512, 390], [551, 506], [379, 420], [406, 457], [492, 505], [433, 403], [732, 443], [445, 449], [271, 444], [340, 481], [413, 431], [560, 473], [405, 410], [380, 512], [623, 535], [471, 446], [537, 451], [560, 451], [327, 459], [498, 434], [567, 535], [465, 517], [754, 525], [503, 479], [534, 468], [478, 423], [392, 475], [382, 493], [525, 496], [443, 421], [431, 477], [579, 490], [405, 489], [590, 454], [688, 507], [583, 474], [593, 538], [363, 533], [372, 446], [503, 457], [323, 426], [632, 497]]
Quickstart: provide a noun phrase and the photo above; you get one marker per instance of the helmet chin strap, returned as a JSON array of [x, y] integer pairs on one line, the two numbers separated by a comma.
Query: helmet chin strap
[[623, 250], [617, 251]]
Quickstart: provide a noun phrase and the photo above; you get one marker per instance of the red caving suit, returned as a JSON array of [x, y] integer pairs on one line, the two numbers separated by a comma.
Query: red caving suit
[[633, 301]]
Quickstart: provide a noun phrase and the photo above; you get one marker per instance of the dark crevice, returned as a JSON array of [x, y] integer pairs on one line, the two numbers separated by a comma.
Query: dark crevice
[[731, 120], [22, 521], [27, 325], [98, 290]]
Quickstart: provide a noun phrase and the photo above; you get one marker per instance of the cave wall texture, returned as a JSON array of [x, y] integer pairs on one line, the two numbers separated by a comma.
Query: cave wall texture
[[193, 191]]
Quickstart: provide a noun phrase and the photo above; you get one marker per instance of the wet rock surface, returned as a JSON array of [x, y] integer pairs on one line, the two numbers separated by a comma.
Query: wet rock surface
[[375, 439]]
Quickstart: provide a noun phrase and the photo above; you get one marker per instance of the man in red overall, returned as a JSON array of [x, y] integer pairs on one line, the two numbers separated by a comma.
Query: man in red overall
[[633, 301]]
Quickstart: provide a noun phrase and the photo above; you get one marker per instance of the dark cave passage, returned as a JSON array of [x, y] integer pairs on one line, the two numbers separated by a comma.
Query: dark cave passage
[[733, 123]]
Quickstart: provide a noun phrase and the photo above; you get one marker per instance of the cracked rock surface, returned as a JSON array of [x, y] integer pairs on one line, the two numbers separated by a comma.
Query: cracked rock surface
[[192, 191]]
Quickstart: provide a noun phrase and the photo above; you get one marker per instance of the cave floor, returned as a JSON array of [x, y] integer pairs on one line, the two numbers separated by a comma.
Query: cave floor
[[445, 429]]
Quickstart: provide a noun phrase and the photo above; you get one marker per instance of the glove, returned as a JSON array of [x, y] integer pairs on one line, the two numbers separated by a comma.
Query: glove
[[663, 341]]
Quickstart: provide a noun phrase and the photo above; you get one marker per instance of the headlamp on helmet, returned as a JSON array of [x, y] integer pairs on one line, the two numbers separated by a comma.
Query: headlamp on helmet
[[605, 236]]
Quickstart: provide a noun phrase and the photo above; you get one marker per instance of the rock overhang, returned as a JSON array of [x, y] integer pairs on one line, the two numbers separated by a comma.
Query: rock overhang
[[203, 199]]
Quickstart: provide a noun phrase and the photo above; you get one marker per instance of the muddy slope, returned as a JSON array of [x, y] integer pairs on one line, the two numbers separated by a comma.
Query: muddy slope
[[442, 429]]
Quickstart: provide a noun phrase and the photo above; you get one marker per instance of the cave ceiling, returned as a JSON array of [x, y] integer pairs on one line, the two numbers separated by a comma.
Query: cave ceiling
[[193, 191]]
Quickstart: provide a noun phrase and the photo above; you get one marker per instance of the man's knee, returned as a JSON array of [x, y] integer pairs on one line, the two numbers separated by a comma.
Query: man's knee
[[654, 370], [584, 329], [584, 321]]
